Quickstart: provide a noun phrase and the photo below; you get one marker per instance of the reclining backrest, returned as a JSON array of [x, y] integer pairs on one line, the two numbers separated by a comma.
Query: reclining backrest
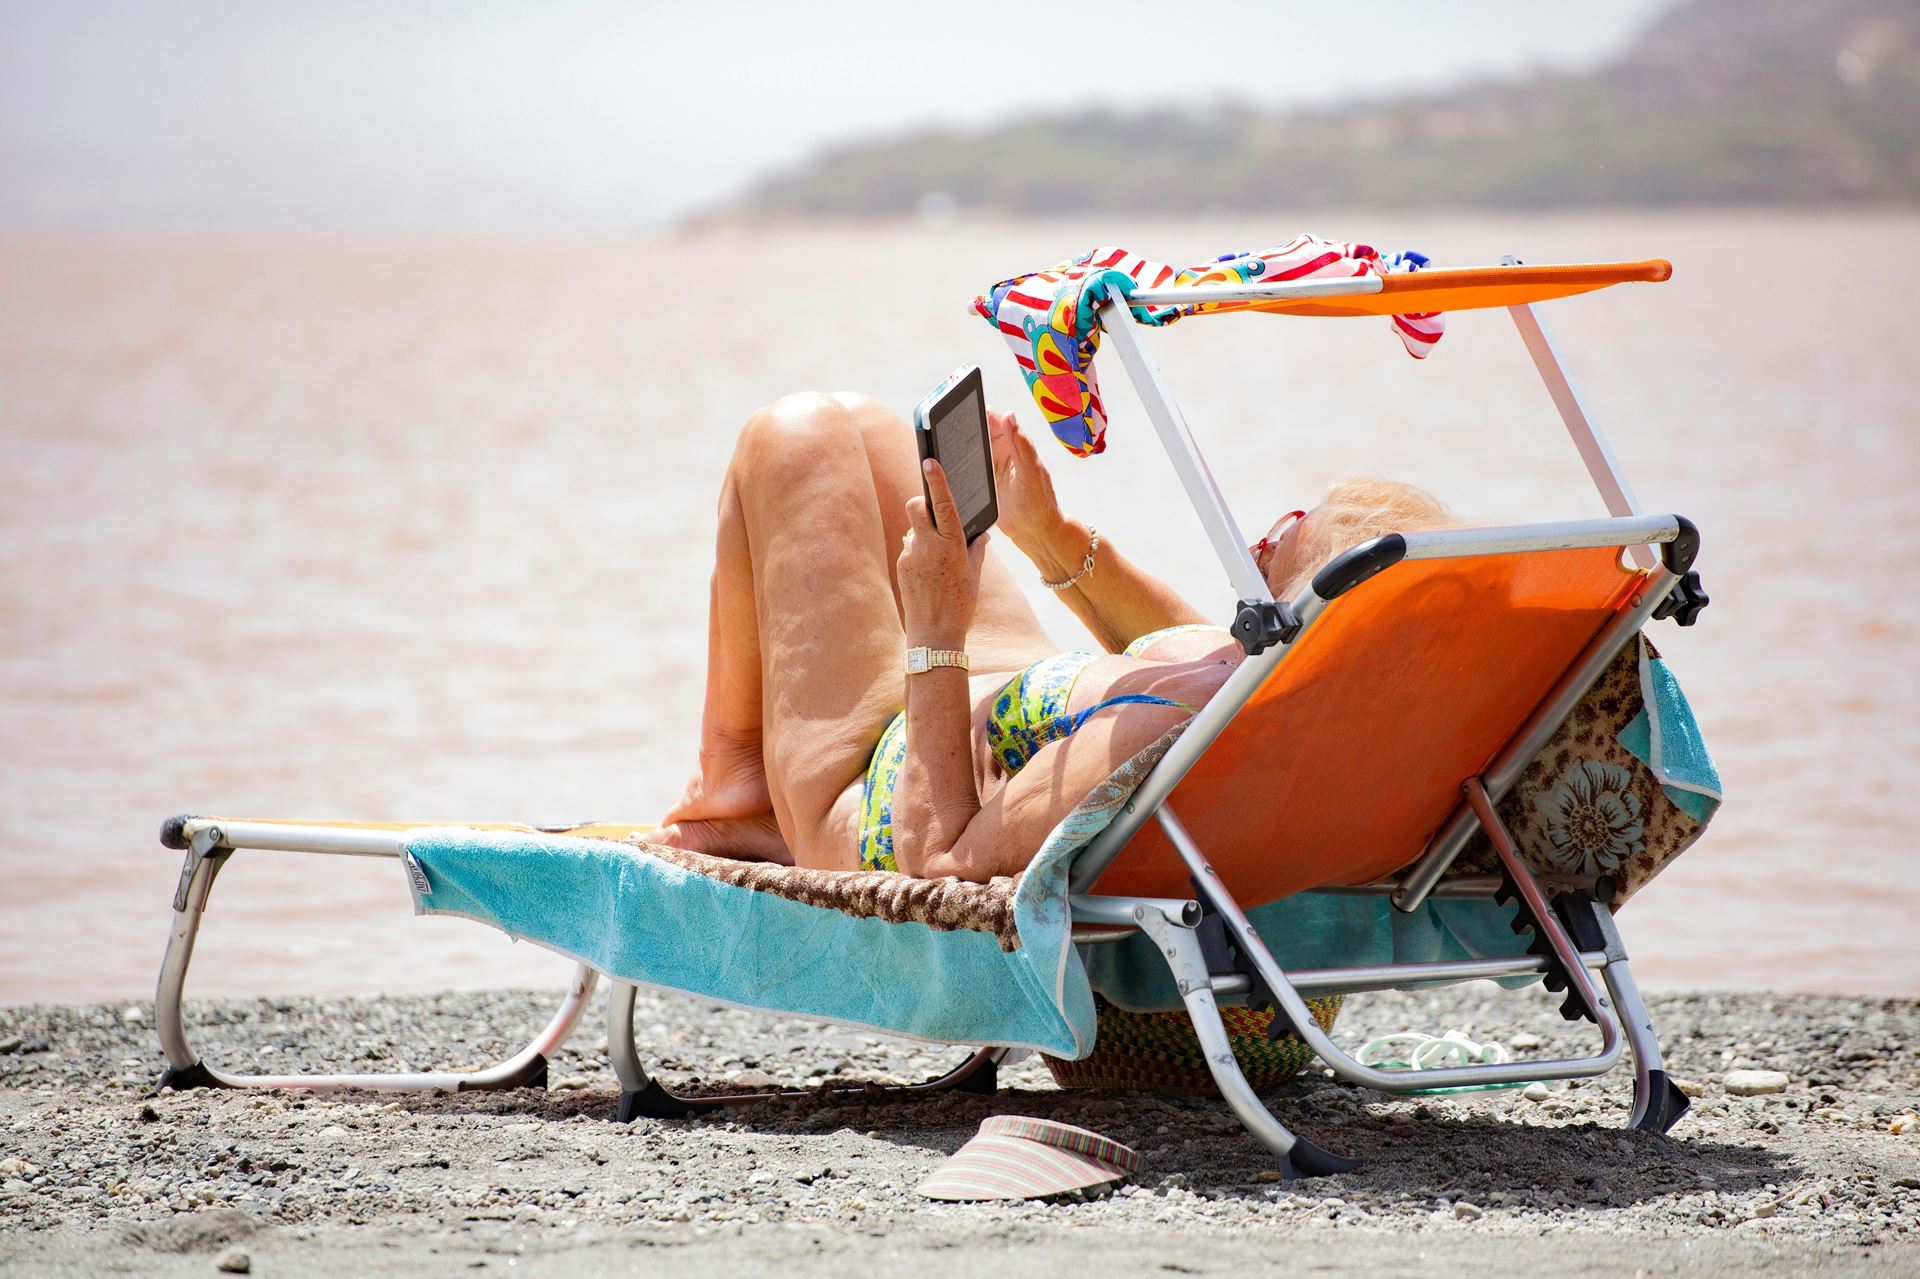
[[1342, 766]]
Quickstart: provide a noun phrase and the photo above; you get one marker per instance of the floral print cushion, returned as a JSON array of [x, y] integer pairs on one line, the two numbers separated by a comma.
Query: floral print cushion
[[1593, 801]]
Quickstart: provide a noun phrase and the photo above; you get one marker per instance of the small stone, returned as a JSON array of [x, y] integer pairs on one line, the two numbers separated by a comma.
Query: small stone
[[1267, 1174], [11, 1044], [1903, 1124], [1468, 1211], [1691, 1087], [233, 1262], [1524, 1039], [14, 1166], [133, 1015], [1754, 1083], [571, 1083], [1536, 1092], [148, 1114], [332, 1130]]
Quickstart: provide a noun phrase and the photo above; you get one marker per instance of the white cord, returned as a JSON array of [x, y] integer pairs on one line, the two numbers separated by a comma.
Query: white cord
[[1432, 1052]]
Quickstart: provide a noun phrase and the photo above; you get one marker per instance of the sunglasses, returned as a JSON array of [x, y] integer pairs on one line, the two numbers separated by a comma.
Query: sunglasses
[[1274, 534]]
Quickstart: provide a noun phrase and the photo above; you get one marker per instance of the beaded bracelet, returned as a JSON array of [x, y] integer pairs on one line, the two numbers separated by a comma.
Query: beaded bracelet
[[1086, 566]]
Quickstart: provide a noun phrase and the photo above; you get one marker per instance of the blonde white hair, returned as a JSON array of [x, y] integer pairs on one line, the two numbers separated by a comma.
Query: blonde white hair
[[1356, 509]]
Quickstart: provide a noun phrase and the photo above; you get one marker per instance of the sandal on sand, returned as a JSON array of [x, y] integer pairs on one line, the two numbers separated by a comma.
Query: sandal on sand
[[1436, 1052]]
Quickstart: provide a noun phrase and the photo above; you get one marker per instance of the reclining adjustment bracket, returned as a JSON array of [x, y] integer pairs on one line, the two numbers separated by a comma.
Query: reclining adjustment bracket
[[1224, 959], [1573, 911], [1685, 601], [1260, 624]]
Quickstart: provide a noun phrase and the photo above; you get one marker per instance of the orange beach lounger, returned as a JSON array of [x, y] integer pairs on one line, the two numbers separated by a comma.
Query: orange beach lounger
[[1388, 711]]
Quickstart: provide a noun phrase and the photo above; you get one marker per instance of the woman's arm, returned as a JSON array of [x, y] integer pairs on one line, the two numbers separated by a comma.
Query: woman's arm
[[1117, 601], [934, 799], [1005, 834]]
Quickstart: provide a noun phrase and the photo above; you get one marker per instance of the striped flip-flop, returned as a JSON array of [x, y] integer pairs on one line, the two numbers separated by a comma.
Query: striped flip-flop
[[1014, 1157]]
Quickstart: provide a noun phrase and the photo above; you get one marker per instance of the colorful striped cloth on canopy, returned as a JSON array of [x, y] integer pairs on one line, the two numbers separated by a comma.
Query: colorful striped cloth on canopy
[[1050, 317]]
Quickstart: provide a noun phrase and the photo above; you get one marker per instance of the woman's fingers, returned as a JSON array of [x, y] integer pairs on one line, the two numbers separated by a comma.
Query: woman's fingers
[[918, 521], [977, 554], [1024, 442], [945, 514]]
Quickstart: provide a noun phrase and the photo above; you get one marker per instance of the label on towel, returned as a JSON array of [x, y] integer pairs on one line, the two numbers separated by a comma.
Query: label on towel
[[418, 875]]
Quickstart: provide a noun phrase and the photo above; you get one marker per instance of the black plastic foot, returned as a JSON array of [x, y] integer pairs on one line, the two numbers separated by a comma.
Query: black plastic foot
[[1308, 1160], [983, 1080], [173, 832], [179, 1079], [531, 1075], [655, 1102], [1667, 1105]]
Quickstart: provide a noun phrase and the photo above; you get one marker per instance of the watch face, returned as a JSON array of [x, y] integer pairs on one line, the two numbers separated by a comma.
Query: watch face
[[916, 660]]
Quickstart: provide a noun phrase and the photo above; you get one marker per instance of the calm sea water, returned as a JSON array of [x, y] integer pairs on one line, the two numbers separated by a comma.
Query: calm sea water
[[421, 529]]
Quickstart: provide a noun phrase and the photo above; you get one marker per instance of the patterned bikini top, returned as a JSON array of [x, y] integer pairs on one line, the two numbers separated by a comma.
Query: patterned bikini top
[[1032, 709]]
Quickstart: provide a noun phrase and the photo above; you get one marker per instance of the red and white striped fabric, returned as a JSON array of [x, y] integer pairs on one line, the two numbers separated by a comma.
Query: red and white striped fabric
[[1308, 257]]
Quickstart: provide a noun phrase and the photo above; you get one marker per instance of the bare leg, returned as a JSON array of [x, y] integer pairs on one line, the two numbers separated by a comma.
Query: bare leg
[[794, 509], [804, 645], [730, 780]]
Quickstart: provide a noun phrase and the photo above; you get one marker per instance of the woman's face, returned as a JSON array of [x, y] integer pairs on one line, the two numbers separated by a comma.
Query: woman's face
[[1277, 554]]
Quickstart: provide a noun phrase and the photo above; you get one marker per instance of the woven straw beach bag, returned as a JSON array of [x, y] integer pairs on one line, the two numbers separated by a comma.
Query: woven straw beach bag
[[1158, 1052]]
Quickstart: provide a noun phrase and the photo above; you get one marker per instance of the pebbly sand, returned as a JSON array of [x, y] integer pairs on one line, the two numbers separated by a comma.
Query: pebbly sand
[[95, 1178]]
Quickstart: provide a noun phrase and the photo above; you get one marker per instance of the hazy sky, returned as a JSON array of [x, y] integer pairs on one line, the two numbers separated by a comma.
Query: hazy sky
[[575, 115]]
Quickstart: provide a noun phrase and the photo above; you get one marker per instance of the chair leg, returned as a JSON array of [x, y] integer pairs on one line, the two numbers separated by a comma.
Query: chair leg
[[643, 1096], [185, 1069], [1658, 1103], [1180, 945]]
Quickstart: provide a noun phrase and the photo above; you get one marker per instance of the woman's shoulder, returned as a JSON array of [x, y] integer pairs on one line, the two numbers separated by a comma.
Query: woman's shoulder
[[1179, 684], [1191, 642]]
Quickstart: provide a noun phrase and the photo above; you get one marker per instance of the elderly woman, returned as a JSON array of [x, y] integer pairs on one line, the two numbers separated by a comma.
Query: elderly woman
[[830, 567]]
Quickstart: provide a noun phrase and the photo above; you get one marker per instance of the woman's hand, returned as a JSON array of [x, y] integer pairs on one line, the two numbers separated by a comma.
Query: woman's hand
[[939, 573], [1029, 511]]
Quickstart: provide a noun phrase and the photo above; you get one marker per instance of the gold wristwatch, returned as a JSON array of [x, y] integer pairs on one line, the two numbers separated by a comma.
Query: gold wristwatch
[[922, 660]]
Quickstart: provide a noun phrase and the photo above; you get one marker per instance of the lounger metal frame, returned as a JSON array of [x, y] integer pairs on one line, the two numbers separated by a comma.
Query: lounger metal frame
[[1578, 931]]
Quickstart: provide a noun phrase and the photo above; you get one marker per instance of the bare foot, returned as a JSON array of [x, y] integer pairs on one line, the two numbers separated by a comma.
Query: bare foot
[[750, 839], [728, 785]]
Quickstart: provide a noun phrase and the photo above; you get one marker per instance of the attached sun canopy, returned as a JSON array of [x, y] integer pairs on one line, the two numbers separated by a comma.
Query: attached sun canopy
[[1052, 319], [1430, 291]]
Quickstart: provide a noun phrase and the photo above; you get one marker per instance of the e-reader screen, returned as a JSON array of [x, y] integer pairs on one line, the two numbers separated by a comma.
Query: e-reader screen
[[953, 423]]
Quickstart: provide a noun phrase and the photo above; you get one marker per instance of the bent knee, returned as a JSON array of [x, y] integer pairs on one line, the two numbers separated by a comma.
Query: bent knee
[[801, 413], [793, 424], [866, 410]]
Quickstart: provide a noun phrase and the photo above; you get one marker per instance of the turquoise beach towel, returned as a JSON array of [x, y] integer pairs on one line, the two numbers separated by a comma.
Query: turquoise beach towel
[[648, 921]]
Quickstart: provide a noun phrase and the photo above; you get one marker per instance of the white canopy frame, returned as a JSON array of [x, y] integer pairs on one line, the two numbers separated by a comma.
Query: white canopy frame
[[1229, 543]]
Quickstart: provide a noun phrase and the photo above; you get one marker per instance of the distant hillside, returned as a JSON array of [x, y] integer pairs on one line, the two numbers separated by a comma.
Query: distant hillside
[[1720, 101]]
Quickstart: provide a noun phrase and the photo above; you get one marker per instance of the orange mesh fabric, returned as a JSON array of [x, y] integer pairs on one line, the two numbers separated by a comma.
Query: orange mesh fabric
[[1353, 753]]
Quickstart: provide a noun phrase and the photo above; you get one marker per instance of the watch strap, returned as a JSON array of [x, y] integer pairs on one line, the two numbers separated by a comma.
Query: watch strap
[[921, 660]]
